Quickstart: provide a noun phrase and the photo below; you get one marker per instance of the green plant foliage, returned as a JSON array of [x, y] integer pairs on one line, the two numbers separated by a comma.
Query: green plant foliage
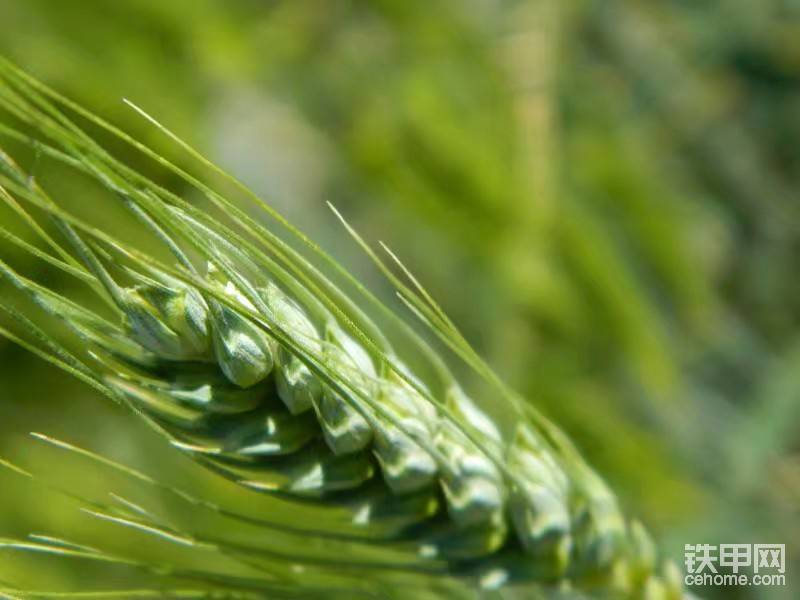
[[599, 194]]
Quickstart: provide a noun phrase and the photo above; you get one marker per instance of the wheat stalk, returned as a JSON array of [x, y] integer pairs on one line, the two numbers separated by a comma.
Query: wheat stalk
[[250, 360]]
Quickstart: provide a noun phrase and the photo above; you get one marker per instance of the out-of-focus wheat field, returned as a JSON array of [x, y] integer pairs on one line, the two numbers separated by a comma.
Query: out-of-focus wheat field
[[605, 196]]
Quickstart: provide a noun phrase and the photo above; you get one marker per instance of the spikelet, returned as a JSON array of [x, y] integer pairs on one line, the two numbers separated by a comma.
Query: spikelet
[[539, 504], [297, 387], [406, 466], [472, 484], [242, 350], [168, 319], [344, 426]]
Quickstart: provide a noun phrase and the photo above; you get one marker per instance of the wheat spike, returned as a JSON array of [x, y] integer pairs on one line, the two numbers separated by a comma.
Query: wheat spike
[[258, 369]]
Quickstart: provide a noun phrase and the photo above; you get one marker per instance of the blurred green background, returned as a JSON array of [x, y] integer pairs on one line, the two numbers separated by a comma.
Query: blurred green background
[[602, 194]]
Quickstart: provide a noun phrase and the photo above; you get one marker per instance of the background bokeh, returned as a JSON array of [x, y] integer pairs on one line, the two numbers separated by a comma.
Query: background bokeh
[[602, 194]]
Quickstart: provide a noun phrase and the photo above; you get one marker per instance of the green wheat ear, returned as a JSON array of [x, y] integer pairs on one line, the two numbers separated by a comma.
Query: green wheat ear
[[256, 365]]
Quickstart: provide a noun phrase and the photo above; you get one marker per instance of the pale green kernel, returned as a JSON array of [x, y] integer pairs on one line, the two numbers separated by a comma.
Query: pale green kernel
[[406, 466], [539, 503], [170, 322], [471, 483], [297, 386], [243, 350], [345, 429]]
